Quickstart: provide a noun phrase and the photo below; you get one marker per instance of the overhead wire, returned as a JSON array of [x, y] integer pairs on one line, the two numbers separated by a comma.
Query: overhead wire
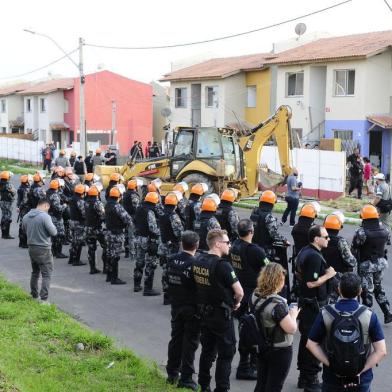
[[219, 38], [40, 68]]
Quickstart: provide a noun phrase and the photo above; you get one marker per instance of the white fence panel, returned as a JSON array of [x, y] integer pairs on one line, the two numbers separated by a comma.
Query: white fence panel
[[21, 150]]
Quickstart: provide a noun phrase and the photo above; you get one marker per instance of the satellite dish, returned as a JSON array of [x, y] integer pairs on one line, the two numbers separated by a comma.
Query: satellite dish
[[300, 29], [165, 112]]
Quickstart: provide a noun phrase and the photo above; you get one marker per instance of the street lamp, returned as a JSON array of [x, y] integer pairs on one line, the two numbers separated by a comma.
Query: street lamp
[[82, 125]]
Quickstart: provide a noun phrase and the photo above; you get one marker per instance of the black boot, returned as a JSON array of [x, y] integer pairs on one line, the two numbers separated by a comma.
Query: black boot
[[7, 235], [76, 261], [91, 260], [114, 278], [126, 255], [59, 248], [245, 371], [71, 255], [387, 312], [148, 290], [187, 383]]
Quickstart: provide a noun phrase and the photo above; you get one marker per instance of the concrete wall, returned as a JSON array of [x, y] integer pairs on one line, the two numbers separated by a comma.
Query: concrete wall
[[22, 150], [321, 172], [262, 81], [160, 101]]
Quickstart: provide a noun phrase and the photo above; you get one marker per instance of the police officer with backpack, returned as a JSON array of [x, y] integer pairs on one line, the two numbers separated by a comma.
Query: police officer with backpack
[[247, 260], [313, 274], [369, 246], [342, 337]]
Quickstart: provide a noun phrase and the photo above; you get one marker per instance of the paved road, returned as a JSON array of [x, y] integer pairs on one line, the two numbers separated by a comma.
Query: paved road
[[140, 323]]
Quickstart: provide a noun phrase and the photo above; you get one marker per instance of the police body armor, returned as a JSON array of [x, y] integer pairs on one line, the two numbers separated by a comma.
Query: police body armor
[[238, 256], [92, 218], [23, 190], [68, 188], [261, 234], [300, 233], [376, 239], [333, 256], [209, 291], [75, 213], [113, 221], [201, 228], [167, 234], [141, 219], [127, 202], [5, 194], [222, 215], [31, 196], [190, 215], [51, 211]]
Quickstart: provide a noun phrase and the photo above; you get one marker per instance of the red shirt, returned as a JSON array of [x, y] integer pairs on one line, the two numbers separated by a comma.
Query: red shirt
[[367, 171]]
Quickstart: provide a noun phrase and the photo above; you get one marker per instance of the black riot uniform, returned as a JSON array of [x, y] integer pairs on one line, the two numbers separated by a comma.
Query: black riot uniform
[[247, 260], [77, 227], [185, 320], [337, 255], [192, 211], [228, 219], [214, 278], [36, 193], [203, 224], [65, 196], [131, 201], [369, 247], [22, 203], [309, 267]]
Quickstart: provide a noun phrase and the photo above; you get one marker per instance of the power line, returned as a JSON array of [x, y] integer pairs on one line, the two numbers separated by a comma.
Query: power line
[[39, 69], [219, 38], [387, 4]]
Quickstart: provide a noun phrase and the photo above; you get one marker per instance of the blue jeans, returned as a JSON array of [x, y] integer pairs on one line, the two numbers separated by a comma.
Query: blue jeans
[[292, 205], [364, 387]]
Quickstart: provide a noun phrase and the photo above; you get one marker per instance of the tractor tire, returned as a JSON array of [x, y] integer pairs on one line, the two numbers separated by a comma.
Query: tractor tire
[[194, 178]]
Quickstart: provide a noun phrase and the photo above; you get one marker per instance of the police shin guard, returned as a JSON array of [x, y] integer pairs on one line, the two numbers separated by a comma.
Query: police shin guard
[[76, 260], [114, 277], [91, 260], [387, 312]]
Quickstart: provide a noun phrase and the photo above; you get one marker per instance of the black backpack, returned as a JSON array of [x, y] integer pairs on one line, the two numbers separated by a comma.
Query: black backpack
[[346, 347], [252, 334]]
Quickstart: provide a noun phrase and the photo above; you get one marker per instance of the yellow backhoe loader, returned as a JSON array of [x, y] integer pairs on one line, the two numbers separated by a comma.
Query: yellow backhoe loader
[[219, 157]]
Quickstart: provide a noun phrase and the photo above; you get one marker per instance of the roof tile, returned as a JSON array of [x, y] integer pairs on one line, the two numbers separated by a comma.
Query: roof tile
[[49, 86]]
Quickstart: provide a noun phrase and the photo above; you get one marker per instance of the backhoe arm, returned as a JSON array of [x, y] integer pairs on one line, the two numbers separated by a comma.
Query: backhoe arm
[[277, 125]]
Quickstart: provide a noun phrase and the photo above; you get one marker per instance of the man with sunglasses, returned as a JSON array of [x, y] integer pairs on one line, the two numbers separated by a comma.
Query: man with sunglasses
[[313, 274]]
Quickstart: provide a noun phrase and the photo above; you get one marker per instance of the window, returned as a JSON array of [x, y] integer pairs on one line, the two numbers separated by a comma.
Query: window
[[342, 134], [3, 130], [180, 97], [294, 84], [3, 106], [212, 97], [344, 82], [251, 96], [183, 144], [28, 105], [42, 105], [208, 143]]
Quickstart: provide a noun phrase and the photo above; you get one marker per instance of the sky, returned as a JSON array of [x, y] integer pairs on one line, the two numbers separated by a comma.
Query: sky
[[151, 23]]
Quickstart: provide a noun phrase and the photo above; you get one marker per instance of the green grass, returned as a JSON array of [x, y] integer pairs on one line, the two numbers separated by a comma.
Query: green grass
[[37, 352], [18, 167]]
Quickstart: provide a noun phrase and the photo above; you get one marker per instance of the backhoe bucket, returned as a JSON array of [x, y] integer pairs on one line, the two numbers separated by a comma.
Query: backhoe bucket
[[269, 179]]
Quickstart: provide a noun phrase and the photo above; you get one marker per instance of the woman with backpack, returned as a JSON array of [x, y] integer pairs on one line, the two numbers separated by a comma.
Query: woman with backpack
[[277, 323]]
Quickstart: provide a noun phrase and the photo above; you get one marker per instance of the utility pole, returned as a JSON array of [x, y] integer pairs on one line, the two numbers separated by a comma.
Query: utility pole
[[82, 120], [114, 119]]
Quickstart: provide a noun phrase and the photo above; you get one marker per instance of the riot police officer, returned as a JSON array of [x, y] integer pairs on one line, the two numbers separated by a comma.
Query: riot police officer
[[37, 191], [247, 260], [131, 202], [312, 273], [266, 225], [56, 212], [171, 229], [185, 322], [155, 186], [218, 294], [89, 179], [193, 208], [226, 214], [7, 196], [95, 216], [77, 224], [207, 220], [307, 215], [114, 179], [22, 204], [337, 254], [182, 187], [117, 219], [369, 247], [147, 231]]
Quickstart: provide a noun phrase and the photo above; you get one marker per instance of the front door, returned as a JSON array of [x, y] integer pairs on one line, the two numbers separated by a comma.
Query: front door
[[375, 148]]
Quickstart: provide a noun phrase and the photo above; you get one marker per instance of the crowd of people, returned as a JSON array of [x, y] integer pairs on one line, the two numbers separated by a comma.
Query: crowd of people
[[217, 267]]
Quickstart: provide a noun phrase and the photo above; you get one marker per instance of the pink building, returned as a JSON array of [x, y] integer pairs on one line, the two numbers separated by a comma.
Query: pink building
[[133, 103]]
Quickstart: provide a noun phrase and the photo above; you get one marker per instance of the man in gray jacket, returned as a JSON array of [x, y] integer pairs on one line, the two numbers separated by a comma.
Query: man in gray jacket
[[39, 229]]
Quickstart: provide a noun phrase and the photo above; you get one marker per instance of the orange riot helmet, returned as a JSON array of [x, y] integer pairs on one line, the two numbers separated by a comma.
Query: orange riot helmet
[[268, 197]]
